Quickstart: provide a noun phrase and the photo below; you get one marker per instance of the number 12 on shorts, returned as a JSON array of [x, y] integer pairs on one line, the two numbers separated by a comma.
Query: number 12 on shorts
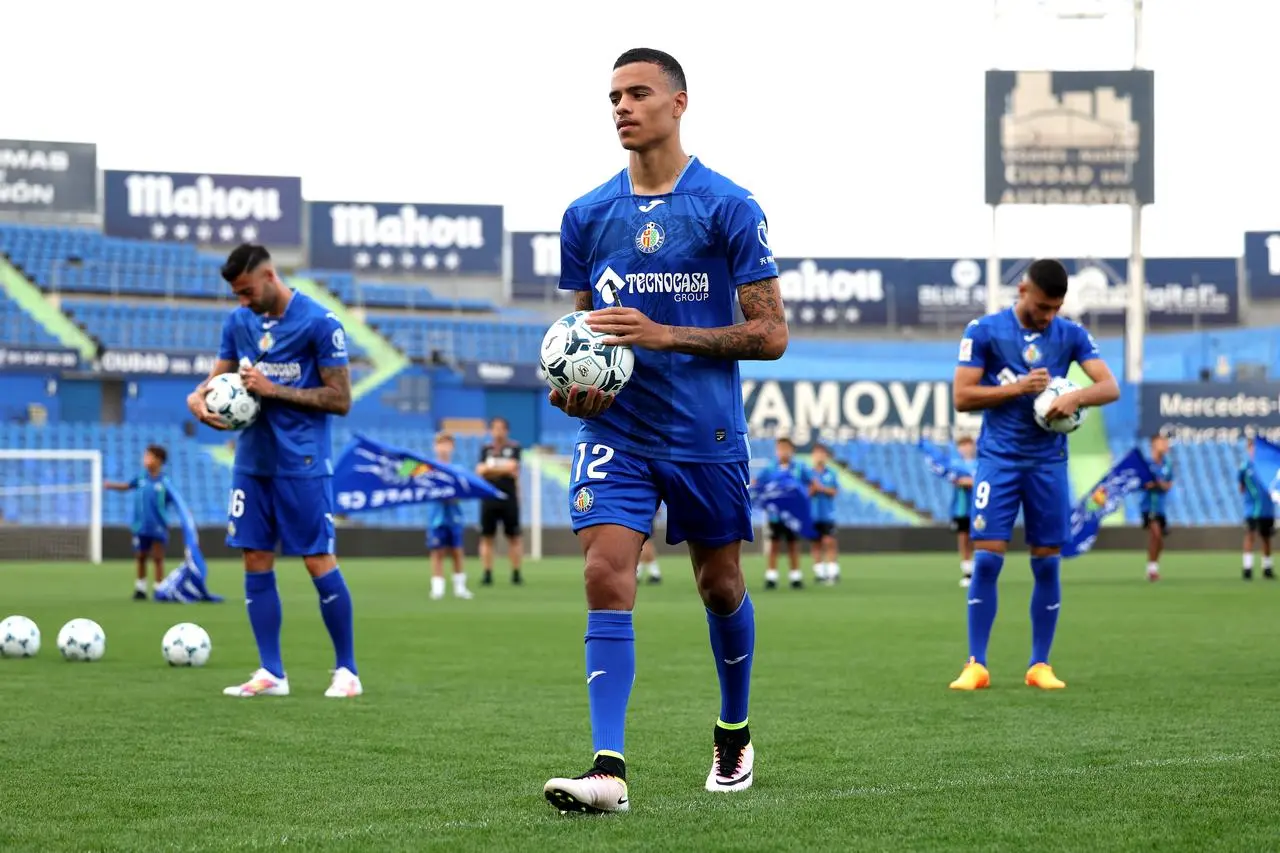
[[600, 456]]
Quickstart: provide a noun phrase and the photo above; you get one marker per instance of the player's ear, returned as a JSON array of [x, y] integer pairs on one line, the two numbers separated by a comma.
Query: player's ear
[[681, 103]]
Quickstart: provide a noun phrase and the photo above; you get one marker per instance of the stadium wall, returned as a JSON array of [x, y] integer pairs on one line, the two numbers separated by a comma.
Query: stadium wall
[[44, 543]]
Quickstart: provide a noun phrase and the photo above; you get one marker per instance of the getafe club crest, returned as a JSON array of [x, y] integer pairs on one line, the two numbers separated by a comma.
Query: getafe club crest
[[583, 500], [1031, 354], [266, 341], [650, 238]]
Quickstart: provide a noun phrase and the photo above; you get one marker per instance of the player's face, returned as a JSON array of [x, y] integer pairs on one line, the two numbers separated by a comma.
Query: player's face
[[150, 462], [1035, 308], [444, 450], [819, 457], [646, 112], [966, 449], [499, 431], [258, 290], [784, 452], [1159, 445]]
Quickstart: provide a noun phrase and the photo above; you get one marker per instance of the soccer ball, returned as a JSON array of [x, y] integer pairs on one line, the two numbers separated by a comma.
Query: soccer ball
[[186, 644], [572, 354], [1058, 387], [82, 639], [227, 399], [19, 637]]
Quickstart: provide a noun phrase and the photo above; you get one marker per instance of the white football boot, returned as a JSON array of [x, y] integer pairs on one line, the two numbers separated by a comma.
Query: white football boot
[[261, 683], [731, 763], [595, 792], [345, 684]]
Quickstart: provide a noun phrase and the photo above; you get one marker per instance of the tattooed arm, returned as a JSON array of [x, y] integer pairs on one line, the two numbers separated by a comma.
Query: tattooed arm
[[582, 300], [334, 396], [763, 337]]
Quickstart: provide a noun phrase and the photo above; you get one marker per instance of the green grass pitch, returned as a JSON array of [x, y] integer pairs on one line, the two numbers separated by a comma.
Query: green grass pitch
[[1165, 739]]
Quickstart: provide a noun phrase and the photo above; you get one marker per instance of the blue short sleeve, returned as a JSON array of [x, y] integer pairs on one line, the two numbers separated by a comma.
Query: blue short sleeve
[[747, 232], [330, 341], [227, 347], [1085, 348], [574, 271], [973, 346]]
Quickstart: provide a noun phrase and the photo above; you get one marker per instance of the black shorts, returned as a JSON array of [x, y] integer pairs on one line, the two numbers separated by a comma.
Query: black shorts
[[960, 524], [824, 528], [1263, 526], [779, 531], [506, 513], [1158, 518]]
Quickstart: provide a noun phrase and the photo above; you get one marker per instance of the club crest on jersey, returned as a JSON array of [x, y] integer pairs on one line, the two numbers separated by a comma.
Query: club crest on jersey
[[979, 523], [266, 341], [1031, 354], [650, 238], [583, 500]]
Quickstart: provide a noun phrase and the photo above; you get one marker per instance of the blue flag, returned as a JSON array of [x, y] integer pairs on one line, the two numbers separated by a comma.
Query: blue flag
[[1127, 476], [782, 495], [1266, 466], [939, 462], [187, 583], [371, 475]]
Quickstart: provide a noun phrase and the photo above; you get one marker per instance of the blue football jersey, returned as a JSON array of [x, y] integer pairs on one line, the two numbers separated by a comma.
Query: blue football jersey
[[1153, 501], [962, 497], [822, 507], [286, 440], [152, 500], [795, 469], [1257, 495], [444, 514], [1005, 350], [679, 258]]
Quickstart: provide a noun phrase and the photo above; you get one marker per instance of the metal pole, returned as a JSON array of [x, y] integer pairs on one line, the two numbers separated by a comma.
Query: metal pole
[[1136, 315], [993, 263]]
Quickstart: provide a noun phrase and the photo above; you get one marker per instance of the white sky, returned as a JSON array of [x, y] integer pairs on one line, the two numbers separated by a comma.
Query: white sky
[[862, 135]]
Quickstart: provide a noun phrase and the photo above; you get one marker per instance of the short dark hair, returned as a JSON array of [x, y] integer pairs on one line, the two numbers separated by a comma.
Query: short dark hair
[[665, 61], [244, 258], [499, 419], [965, 439], [1050, 276], [782, 439], [158, 452], [820, 446]]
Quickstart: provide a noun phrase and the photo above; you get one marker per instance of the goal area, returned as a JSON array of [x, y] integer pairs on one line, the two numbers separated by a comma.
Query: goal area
[[50, 505]]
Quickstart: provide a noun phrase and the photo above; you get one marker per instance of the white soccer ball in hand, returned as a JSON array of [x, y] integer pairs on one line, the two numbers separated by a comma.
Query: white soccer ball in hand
[[82, 639], [186, 644], [572, 354], [1058, 387], [229, 402], [19, 637]]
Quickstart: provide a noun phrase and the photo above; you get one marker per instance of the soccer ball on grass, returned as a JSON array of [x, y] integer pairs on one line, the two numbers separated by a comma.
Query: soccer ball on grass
[[227, 400], [19, 637], [186, 644], [1058, 387], [82, 640], [573, 354]]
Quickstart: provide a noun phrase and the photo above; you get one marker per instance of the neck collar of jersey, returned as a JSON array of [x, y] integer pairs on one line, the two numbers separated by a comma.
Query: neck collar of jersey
[[629, 189]]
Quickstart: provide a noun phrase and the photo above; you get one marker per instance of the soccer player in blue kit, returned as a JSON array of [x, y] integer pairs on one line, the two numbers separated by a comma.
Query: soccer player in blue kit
[[665, 250], [292, 354], [1006, 360], [150, 515]]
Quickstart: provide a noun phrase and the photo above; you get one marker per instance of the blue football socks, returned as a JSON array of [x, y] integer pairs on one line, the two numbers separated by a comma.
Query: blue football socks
[[337, 612], [733, 642], [982, 602], [1046, 600], [262, 600], [611, 671]]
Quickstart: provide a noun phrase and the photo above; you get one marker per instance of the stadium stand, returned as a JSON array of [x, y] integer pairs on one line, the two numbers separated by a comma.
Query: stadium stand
[[18, 329]]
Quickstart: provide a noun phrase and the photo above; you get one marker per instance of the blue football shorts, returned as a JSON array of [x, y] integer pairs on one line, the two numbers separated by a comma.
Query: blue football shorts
[[1043, 494], [707, 502], [444, 536], [142, 544], [294, 513]]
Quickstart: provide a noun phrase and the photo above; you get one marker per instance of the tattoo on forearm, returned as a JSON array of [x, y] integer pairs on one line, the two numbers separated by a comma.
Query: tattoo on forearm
[[583, 300], [333, 396], [765, 322]]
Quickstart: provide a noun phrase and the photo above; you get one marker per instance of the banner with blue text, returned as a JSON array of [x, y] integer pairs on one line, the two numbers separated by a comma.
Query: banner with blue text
[[406, 239], [188, 207]]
